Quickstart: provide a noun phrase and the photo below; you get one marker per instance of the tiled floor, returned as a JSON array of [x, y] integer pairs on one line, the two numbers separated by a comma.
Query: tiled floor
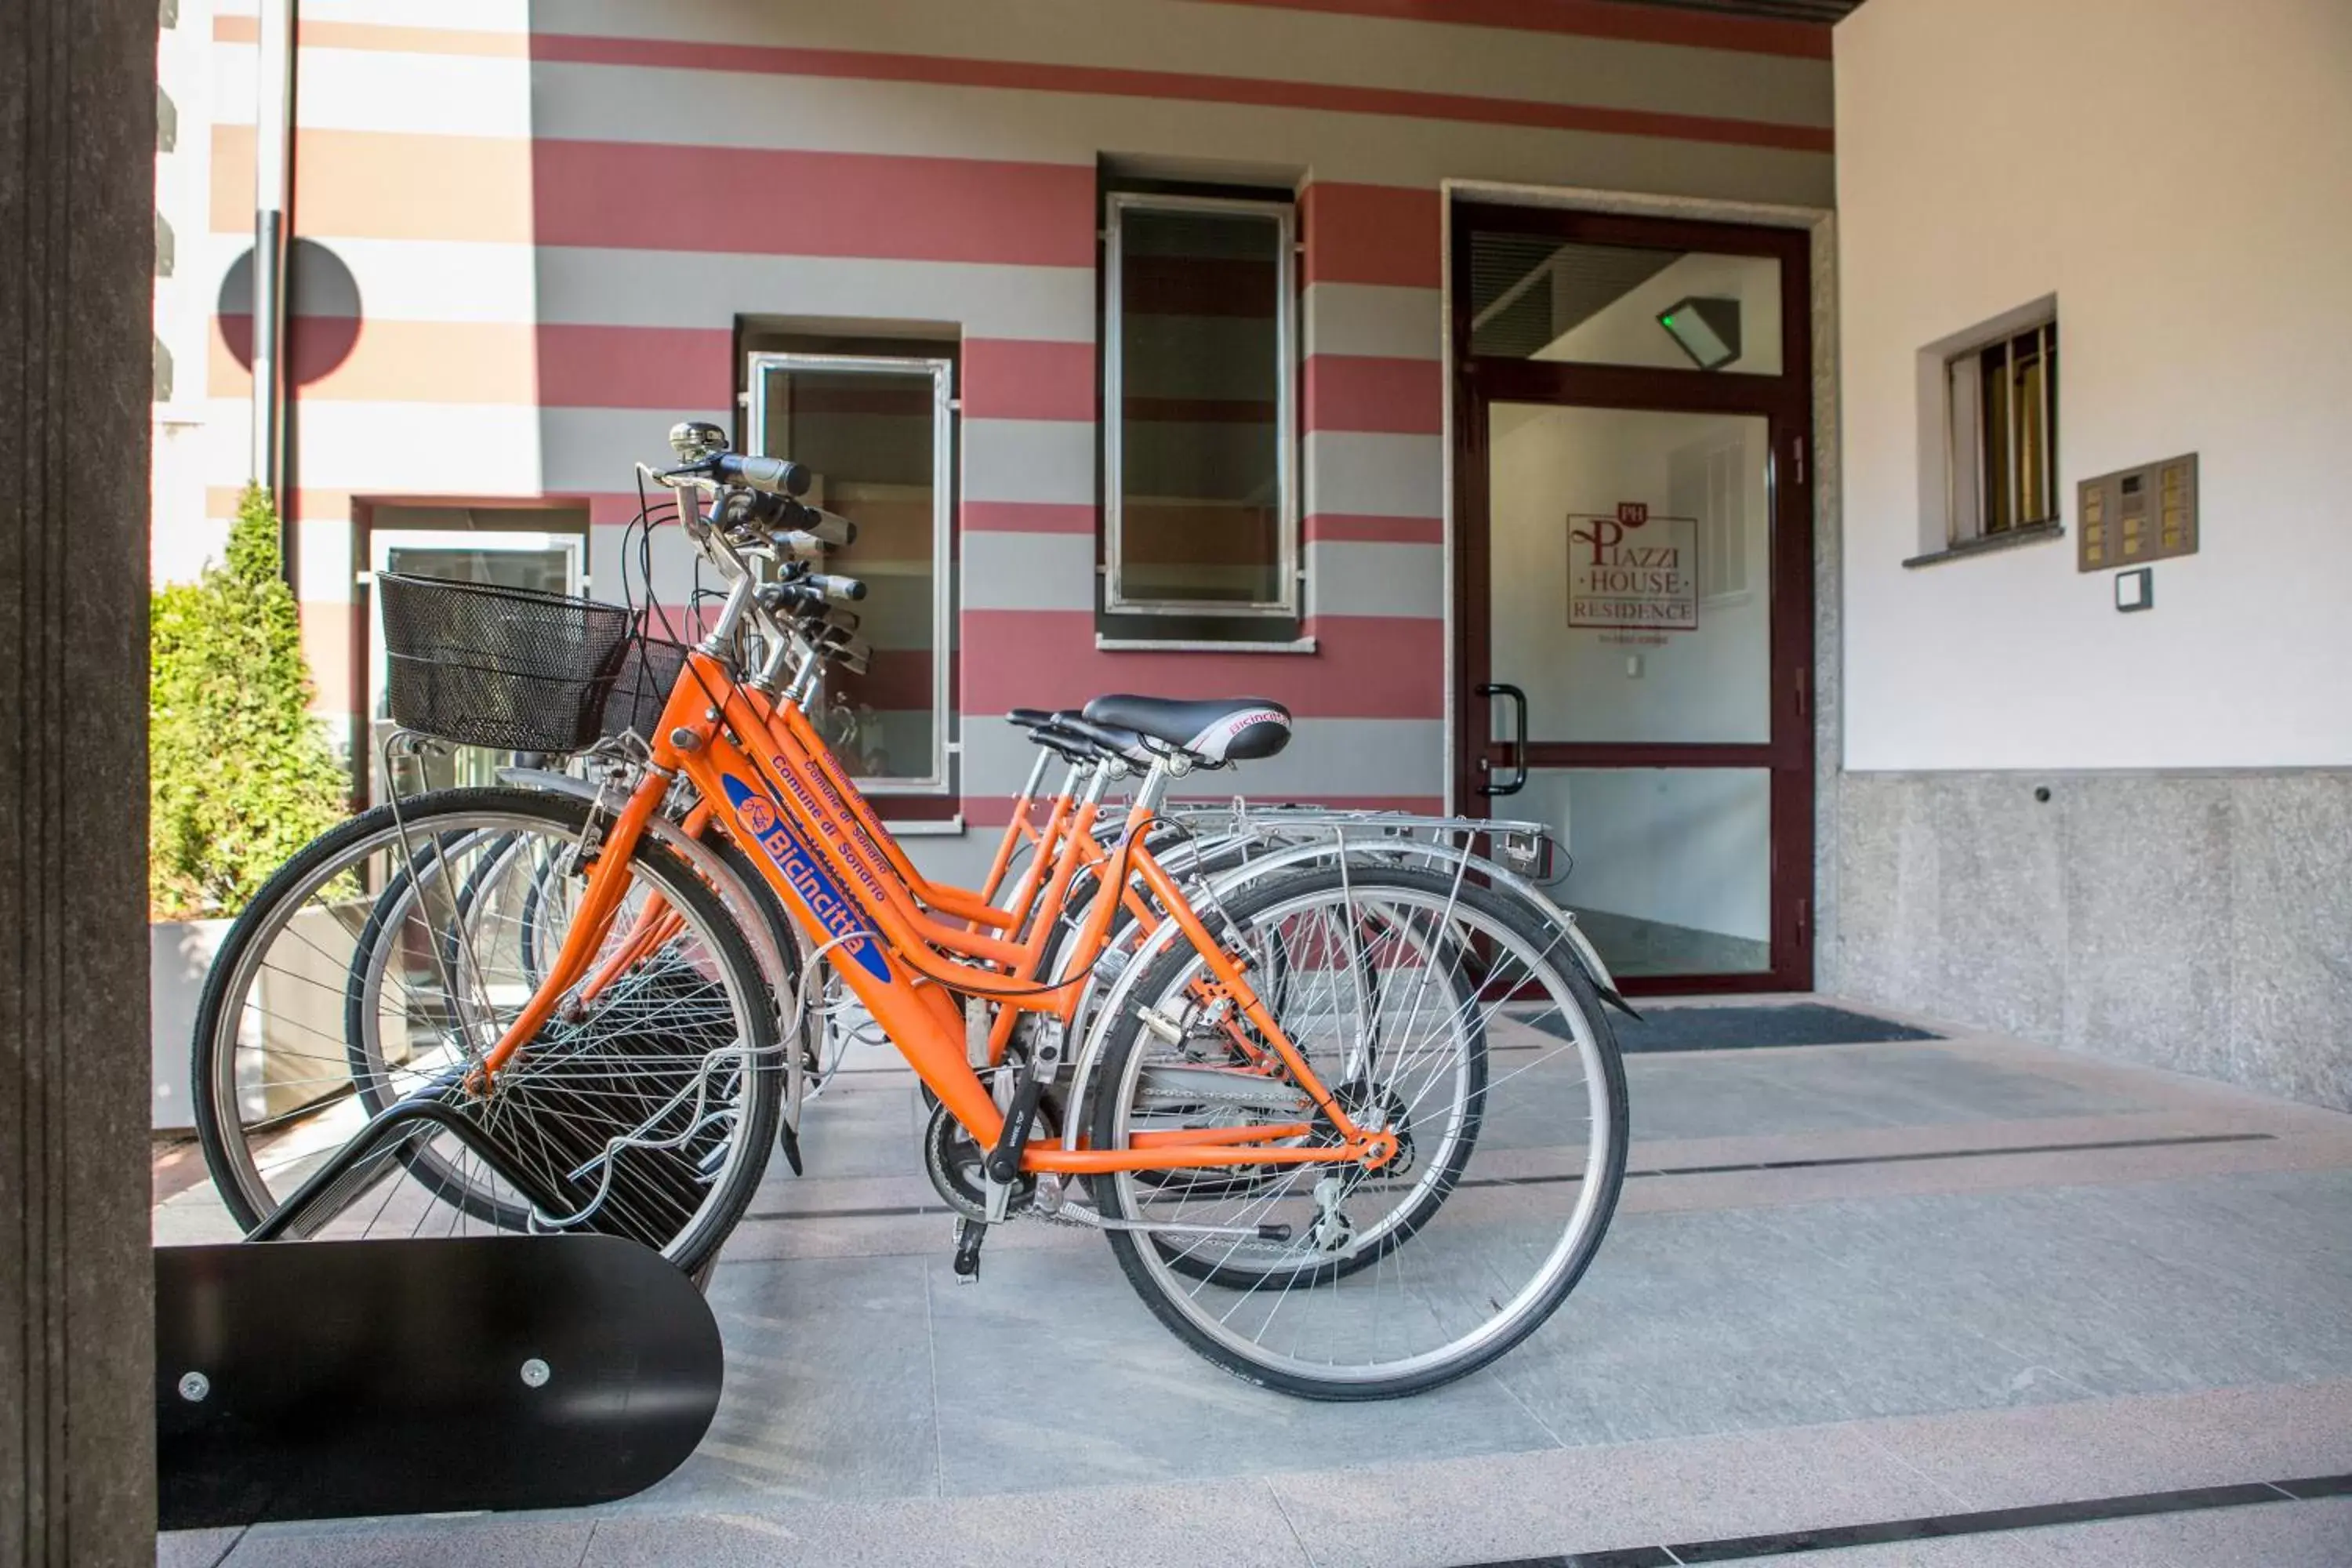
[[1845, 1284]]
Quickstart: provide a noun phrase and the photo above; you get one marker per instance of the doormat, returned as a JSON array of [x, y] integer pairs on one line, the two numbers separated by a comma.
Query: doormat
[[1743, 1028]]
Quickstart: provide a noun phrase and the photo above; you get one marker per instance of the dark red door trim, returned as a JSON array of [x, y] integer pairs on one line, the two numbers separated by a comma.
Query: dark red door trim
[[1786, 402]]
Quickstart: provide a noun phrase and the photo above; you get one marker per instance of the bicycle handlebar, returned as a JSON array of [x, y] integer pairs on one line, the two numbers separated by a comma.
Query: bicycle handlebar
[[811, 596], [754, 496], [837, 590], [770, 475]]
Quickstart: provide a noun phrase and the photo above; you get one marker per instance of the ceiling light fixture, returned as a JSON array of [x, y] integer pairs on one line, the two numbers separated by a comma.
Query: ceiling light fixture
[[1706, 330]]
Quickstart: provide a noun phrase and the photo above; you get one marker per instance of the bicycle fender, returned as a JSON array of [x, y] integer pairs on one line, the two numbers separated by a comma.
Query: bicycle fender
[[1096, 1015]]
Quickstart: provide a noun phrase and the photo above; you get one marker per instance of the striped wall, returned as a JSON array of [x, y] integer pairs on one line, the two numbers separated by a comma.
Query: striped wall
[[553, 215]]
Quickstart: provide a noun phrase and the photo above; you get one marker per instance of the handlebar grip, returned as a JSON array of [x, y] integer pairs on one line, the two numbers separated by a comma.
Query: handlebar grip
[[826, 527], [775, 476], [837, 590]]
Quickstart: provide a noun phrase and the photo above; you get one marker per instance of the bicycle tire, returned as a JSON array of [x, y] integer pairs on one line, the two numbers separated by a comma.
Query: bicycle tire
[[1144, 1257], [314, 865]]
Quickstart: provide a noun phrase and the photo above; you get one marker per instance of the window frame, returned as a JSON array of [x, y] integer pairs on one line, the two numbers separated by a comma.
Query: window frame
[[938, 781], [1975, 532], [1284, 214]]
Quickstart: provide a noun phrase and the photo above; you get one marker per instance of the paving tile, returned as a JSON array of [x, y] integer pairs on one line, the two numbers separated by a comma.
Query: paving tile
[[1187, 1526], [926, 1235], [1879, 1142], [511, 1540], [2005, 1549], [1596, 1499], [194, 1548], [828, 1391], [1833, 1089], [1990, 1173], [2114, 1447], [1725, 1097], [863, 1125], [192, 1218], [2256, 1224], [1053, 1373], [2098, 1286], [2272, 1535], [1981, 1333], [1693, 1324]]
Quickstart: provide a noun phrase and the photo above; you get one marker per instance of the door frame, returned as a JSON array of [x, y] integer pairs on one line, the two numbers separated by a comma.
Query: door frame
[[1787, 402], [365, 529]]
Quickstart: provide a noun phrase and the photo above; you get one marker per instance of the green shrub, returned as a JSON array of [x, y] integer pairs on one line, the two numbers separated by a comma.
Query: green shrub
[[239, 775]]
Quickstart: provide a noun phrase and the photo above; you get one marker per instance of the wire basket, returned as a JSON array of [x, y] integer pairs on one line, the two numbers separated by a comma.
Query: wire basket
[[510, 668], [649, 671]]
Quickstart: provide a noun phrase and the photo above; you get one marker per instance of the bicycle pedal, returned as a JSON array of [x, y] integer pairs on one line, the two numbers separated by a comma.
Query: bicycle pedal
[[1169, 1030], [970, 1234]]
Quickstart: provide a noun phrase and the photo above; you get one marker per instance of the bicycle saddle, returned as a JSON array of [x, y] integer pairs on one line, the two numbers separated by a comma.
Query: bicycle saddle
[[1234, 730]]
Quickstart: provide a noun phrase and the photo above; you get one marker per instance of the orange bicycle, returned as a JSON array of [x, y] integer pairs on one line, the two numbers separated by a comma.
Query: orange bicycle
[[1352, 1129]]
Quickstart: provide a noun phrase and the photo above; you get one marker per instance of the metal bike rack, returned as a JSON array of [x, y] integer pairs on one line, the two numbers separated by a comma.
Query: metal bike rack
[[329, 1379]]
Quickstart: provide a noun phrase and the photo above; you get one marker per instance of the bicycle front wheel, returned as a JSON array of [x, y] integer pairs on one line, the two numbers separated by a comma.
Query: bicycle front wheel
[[1428, 1007], [386, 958]]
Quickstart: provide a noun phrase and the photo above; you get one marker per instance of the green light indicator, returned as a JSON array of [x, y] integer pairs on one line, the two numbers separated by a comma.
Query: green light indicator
[[1668, 320]]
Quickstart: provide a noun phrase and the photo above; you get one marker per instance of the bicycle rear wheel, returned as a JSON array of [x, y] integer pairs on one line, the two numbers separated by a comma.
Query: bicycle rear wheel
[[387, 956], [1427, 1007]]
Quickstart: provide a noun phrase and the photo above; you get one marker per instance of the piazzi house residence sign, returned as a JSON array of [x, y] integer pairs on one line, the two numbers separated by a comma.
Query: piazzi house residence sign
[[1632, 570]]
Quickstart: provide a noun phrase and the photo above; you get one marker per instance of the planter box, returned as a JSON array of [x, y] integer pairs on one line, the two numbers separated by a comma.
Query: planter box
[[296, 1017]]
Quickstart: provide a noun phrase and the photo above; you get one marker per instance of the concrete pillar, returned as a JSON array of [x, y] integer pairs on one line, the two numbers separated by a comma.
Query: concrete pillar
[[77, 254]]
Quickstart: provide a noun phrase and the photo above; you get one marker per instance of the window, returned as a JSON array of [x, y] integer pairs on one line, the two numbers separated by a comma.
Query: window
[[870, 419], [167, 123], [167, 249], [1200, 442], [2001, 407]]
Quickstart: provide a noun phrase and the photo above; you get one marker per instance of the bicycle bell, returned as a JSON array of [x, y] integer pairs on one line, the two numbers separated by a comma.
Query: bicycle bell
[[695, 439]]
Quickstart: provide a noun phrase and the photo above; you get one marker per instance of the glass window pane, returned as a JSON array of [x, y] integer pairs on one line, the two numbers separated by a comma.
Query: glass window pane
[[1967, 475], [1630, 560], [1538, 296], [1673, 868], [868, 436], [498, 546], [1200, 476], [1994, 433]]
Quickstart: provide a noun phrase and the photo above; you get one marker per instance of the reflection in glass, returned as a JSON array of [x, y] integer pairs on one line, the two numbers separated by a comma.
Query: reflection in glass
[[869, 437], [1198, 458], [1659, 630], [1537, 297], [1673, 867]]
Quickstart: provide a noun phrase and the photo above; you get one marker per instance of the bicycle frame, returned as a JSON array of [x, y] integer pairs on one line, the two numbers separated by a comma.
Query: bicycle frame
[[758, 764], [1071, 818]]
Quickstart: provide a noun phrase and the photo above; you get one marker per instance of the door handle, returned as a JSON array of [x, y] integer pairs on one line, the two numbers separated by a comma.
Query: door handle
[[1519, 763]]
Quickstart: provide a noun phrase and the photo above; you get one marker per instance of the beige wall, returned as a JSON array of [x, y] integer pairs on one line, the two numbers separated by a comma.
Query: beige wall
[[2178, 175]]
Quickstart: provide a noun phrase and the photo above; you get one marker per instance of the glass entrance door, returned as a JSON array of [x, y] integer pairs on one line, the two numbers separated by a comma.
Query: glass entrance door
[[1628, 579], [1634, 573]]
